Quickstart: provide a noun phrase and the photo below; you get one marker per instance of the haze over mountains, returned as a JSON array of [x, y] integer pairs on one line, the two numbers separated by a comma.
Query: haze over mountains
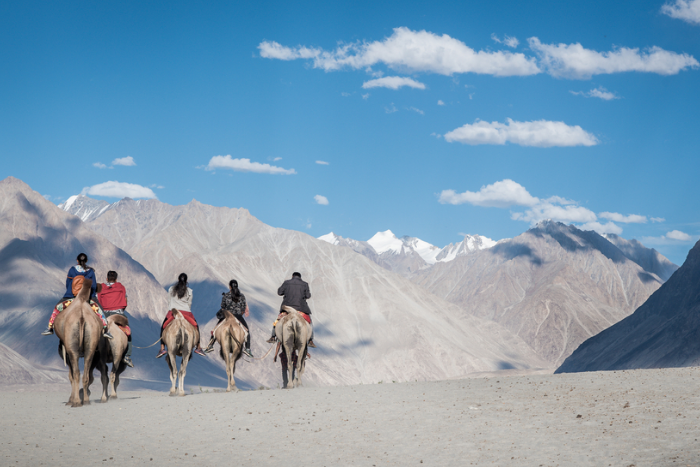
[[386, 309], [661, 333]]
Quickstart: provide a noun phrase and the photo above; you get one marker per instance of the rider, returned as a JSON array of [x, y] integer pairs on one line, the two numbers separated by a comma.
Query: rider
[[233, 301], [87, 272], [180, 299], [112, 296], [295, 292]]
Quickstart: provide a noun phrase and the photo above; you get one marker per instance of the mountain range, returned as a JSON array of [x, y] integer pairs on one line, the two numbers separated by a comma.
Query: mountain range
[[661, 333]]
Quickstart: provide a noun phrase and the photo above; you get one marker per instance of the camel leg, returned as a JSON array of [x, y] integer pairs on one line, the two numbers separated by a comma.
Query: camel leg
[[74, 376], [172, 363], [116, 379], [104, 369], [289, 350], [116, 363], [234, 358], [183, 372], [301, 364], [226, 352], [87, 376]]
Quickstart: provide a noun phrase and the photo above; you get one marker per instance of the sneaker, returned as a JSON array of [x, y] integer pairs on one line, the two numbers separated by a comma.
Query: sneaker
[[48, 332], [248, 353], [161, 353], [199, 352], [128, 361], [271, 340], [108, 335], [312, 345], [209, 349]]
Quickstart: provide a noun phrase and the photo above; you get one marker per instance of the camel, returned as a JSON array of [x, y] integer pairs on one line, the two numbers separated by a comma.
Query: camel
[[181, 338], [294, 333], [79, 330], [230, 335], [111, 351]]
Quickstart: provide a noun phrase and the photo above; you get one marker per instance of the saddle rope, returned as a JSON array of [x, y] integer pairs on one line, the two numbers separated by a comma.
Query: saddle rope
[[149, 346]]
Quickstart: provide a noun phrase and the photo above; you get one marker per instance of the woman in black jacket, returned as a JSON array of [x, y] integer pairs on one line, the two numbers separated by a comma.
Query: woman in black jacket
[[233, 301]]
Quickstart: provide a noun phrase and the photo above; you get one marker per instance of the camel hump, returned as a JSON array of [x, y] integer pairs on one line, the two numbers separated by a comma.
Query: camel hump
[[120, 320], [175, 312], [288, 309], [84, 293]]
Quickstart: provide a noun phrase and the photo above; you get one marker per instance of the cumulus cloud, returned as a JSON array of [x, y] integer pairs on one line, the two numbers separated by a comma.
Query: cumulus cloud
[[501, 194], [575, 62], [245, 165], [600, 93], [539, 133], [440, 102], [673, 237], [413, 51], [657, 219], [631, 219], [127, 161], [113, 189], [546, 210], [686, 10], [276, 159], [321, 200], [678, 235], [100, 165], [322, 162], [507, 40], [392, 82]]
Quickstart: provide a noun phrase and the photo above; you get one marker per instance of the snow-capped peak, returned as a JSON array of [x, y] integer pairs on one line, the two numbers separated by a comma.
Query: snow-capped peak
[[469, 244], [385, 241], [69, 202], [331, 238]]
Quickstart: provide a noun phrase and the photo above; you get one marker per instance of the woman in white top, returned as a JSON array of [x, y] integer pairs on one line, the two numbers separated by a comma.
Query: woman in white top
[[180, 299]]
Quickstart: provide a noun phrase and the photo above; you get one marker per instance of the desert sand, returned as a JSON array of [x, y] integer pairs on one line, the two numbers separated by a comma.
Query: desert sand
[[623, 418]]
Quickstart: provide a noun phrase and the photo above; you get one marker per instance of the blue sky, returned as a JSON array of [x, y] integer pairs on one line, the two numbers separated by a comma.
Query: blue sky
[[475, 117]]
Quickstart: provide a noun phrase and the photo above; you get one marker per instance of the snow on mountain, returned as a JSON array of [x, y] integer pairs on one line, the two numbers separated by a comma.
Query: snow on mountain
[[85, 208], [469, 244], [386, 241]]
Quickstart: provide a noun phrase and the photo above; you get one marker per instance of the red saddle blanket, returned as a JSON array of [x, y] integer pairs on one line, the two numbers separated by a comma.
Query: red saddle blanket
[[185, 314], [303, 315], [125, 329]]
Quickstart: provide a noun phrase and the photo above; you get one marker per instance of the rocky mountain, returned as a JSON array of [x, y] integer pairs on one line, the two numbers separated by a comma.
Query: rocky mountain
[[38, 244], [371, 324], [555, 286], [648, 258], [661, 333], [407, 255], [85, 208]]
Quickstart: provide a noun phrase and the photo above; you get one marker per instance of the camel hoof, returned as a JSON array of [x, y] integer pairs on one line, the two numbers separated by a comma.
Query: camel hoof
[[86, 403], [104, 400], [172, 394], [113, 396], [75, 404], [181, 394]]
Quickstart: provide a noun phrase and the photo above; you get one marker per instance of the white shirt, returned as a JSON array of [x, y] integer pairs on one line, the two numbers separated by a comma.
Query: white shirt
[[182, 304]]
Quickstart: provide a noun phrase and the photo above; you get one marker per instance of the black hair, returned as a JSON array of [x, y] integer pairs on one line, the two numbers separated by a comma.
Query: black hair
[[82, 261], [235, 293], [180, 289], [296, 274], [112, 276]]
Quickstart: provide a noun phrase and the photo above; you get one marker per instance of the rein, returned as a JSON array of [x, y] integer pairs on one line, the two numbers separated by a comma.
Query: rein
[[149, 346]]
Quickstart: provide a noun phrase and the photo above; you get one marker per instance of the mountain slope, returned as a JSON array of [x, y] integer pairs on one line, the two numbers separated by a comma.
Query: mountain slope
[[661, 333], [648, 258], [554, 286], [371, 324]]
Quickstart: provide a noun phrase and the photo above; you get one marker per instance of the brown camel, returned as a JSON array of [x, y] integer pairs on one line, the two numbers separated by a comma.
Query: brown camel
[[79, 330], [111, 351], [230, 335], [181, 338], [294, 333]]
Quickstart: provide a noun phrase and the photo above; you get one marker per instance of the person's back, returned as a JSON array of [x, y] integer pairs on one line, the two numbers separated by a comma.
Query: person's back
[[112, 297], [295, 292]]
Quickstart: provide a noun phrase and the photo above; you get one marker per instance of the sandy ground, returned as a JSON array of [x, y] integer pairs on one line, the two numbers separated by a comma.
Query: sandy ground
[[630, 418]]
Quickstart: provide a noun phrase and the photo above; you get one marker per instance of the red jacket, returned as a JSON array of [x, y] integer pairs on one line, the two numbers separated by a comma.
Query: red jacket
[[112, 297]]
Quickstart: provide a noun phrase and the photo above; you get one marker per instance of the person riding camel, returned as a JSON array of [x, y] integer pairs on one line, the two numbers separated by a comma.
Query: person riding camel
[[112, 296], [74, 281], [234, 302], [295, 292], [180, 299]]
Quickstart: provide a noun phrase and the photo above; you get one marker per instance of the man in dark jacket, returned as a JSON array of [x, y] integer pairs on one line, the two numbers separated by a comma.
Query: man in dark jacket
[[295, 292]]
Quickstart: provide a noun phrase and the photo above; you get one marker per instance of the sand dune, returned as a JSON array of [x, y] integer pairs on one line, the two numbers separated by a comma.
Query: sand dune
[[624, 418]]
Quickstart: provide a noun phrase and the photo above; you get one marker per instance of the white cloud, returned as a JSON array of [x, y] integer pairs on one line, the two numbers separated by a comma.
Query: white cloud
[[686, 10], [321, 200], [100, 165], [575, 62], [440, 102], [678, 235], [417, 110], [127, 161], [322, 162], [391, 110], [113, 189], [631, 219], [540, 133], [545, 210], [411, 51], [657, 219], [507, 40], [392, 82], [345, 94], [155, 185], [365, 96], [276, 159], [600, 93], [602, 228], [498, 195], [244, 165]]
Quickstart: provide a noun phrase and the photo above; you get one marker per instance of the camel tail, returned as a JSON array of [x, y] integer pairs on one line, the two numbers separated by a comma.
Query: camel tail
[[84, 293]]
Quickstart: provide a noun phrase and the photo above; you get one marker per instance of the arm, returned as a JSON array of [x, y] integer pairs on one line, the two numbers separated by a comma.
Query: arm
[[283, 289], [189, 299], [307, 292]]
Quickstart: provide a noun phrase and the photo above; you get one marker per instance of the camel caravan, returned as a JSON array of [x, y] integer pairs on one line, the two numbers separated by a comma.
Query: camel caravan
[[90, 323]]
